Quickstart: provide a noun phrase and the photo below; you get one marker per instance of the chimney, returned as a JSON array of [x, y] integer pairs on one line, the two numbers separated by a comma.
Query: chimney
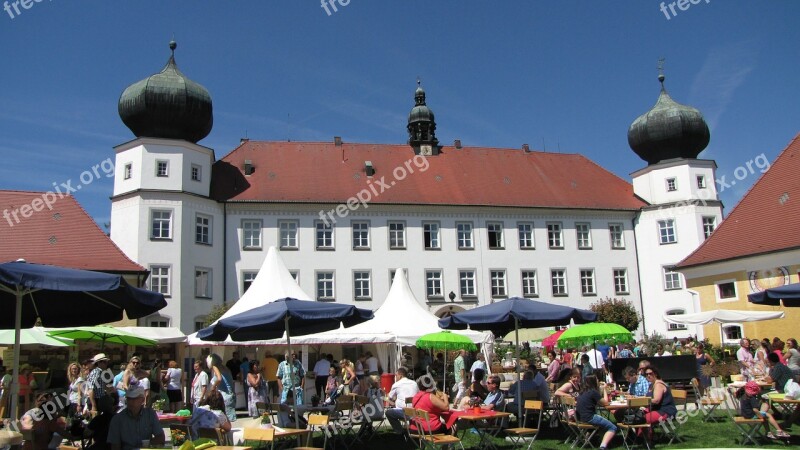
[[337, 141], [368, 168], [248, 167], [526, 148], [457, 143]]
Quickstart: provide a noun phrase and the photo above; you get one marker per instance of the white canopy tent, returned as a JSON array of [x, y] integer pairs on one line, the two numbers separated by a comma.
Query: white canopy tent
[[722, 317], [162, 335]]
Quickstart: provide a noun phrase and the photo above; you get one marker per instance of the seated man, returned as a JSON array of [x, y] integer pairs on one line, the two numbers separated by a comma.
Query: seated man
[[495, 398], [134, 425], [526, 384], [43, 423], [402, 389]]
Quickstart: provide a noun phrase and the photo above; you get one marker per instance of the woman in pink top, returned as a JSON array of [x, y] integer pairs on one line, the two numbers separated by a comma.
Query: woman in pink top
[[432, 401], [554, 368]]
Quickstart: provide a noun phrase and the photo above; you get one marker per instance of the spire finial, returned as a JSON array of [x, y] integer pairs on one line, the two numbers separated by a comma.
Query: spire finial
[[419, 82], [173, 45], [661, 71]]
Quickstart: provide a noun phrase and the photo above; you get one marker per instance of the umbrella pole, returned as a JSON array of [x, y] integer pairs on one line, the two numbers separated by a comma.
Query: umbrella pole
[[15, 377], [519, 379], [290, 362]]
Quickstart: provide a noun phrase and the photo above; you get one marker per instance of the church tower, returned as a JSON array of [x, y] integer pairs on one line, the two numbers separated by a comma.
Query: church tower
[[422, 126]]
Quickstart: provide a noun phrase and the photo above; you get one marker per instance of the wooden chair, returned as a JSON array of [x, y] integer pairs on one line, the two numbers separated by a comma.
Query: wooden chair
[[750, 430], [342, 409], [217, 435], [316, 422], [643, 429], [680, 396], [565, 404], [261, 435], [518, 436], [262, 408], [428, 439], [706, 404], [67, 447], [410, 415]]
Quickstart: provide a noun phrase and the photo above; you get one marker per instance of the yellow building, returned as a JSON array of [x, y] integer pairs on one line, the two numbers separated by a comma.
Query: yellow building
[[756, 247]]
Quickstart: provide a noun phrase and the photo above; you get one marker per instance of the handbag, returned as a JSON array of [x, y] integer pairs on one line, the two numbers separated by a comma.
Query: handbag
[[636, 417]]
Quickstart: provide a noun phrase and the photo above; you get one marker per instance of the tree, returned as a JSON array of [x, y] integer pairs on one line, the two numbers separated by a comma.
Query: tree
[[619, 311], [216, 312]]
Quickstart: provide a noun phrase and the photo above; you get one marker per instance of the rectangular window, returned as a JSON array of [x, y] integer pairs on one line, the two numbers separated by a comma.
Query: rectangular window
[[617, 239], [325, 287], [128, 173], [676, 326], [530, 287], [498, 278], [672, 279], [672, 185], [558, 280], [464, 232], [195, 172], [202, 229], [251, 234], [360, 235], [161, 224], [430, 232], [554, 236], [621, 281], [162, 168], [709, 224], [362, 285], [247, 280], [587, 282], [159, 279], [288, 234], [199, 325], [495, 234], [466, 282], [525, 231], [397, 235], [666, 231], [701, 182], [726, 290], [159, 323], [324, 235], [202, 282], [584, 234], [433, 284]]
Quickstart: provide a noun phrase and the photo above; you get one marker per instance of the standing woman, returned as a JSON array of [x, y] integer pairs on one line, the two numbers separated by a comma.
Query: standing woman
[[256, 387], [174, 381], [702, 359], [349, 377], [137, 376], [553, 368], [222, 382], [74, 391]]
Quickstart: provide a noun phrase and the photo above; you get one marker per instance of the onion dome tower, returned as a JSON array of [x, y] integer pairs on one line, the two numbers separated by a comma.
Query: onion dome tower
[[669, 130], [422, 126], [167, 105]]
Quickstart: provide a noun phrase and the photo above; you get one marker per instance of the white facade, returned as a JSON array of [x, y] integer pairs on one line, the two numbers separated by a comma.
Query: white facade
[[684, 210]]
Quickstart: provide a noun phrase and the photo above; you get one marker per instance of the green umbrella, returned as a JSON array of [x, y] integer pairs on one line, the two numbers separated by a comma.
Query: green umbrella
[[445, 340], [529, 334], [104, 334], [590, 333]]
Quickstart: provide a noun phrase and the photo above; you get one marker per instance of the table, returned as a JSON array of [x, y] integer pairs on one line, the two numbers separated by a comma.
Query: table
[[280, 433], [173, 418], [485, 433], [786, 406], [218, 447]]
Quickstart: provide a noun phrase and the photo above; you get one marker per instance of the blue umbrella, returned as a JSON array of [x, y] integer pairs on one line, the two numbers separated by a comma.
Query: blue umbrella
[[270, 321], [790, 294], [514, 313], [62, 297]]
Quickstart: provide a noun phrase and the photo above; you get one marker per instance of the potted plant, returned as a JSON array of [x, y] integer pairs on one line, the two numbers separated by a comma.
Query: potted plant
[[158, 405], [266, 422], [475, 404]]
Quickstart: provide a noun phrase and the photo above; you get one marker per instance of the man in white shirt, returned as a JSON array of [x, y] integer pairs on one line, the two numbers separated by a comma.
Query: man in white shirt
[[321, 369], [401, 389], [199, 384], [373, 367], [745, 358], [479, 363], [661, 352], [596, 358]]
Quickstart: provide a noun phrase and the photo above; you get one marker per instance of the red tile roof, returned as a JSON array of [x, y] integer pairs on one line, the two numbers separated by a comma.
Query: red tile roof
[[312, 172], [766, 220], [64, 236]]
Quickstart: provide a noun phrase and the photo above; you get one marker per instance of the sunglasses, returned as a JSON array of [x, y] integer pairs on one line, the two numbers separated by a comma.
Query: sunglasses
[[649, 373]]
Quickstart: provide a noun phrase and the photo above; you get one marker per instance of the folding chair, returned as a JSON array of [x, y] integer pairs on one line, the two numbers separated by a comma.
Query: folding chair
[[261, 408], [518, 436], [680, 396], [415, 437], [643, 429], [430, 440], [749, 429], [343, 409], [582, 432], [706, 404], [565, 404], [316, 422], [261, 435]]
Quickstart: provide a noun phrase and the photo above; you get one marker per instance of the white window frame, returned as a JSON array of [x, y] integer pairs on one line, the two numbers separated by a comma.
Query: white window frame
[[667, 231], [530, 283], [162, 273], [671, 184], [583, 236], [588, 283], [718, 294], [431, 236], [325, 285], [127, 171], [499, 283], [614, 230], [323, 232], [434, 283], [558, 282], [735, 339], [467, 283], [158, 322], [669, 277], [196, 172], [525, 236], [555, 235], [252, 230], [159, 164], [289, 234], [621, 283], [465, 236], [161, 222], [362, 285], [709, 225], [198, 288], [202, 229], [495, 229], [675, 326], [357, 231], [396, 233], [248, 276]]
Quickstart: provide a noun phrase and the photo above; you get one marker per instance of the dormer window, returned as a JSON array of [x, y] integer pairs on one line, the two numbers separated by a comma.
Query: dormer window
[[672, 185], [162, 168]]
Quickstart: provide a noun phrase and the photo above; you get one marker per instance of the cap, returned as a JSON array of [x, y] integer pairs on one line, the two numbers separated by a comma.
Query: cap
[[134, 392], [100, 357], [752, 388]]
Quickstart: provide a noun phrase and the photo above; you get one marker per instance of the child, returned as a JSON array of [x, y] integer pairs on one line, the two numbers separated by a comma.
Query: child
[[752, 408], [587, 409]]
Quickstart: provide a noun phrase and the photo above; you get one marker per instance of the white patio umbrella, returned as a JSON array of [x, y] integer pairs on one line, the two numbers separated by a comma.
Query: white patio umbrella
[[723, 316]]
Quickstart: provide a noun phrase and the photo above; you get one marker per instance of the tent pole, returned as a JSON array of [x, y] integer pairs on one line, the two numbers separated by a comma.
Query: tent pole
[[15, 377]]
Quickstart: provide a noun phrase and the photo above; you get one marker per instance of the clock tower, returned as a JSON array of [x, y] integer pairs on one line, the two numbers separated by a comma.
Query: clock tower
[[422, 126]]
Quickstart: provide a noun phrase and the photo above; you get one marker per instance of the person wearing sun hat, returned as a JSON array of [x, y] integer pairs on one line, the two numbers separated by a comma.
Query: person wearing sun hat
[[751, 407], [136, 424], [96, 389]]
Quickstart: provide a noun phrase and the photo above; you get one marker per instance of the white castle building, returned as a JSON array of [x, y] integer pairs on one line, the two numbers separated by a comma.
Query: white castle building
[[472, 225]]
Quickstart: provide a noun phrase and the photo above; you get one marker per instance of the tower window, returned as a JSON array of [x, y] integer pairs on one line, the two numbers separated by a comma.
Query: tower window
[[196, 172], [666, 231], [709, 224], [128, 171], [672, 185], [701, 182], [162, 168]]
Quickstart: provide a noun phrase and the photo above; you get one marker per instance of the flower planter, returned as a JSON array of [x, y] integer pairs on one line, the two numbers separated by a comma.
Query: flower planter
[[476, 409]]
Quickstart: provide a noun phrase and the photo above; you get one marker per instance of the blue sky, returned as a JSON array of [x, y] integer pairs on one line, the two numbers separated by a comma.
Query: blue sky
[[566, 75]]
